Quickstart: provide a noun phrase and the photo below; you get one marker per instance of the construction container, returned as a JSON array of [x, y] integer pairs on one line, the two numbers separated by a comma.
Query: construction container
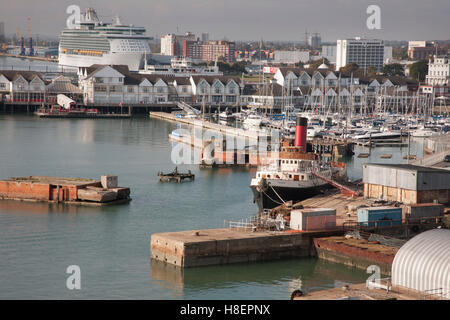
[[424, 210], [312, 219], [384, 216]]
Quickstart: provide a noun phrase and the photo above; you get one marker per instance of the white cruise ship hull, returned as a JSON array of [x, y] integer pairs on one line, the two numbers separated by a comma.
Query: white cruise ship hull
[[134, 61]]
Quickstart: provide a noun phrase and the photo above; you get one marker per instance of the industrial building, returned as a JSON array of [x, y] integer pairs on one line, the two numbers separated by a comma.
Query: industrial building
[[423, 264], [406, 183]]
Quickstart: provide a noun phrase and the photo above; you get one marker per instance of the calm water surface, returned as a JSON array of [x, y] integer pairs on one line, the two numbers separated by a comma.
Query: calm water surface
[[111, 245]]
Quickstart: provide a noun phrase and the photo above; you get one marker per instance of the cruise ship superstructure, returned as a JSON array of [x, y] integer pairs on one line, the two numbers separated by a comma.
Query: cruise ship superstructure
[[95, 42]]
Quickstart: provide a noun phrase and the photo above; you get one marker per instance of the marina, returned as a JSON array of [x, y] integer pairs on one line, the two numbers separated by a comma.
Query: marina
[[260, 169]]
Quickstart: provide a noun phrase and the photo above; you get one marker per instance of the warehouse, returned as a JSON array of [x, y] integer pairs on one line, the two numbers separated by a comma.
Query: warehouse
[[406, 183], [423, 264]]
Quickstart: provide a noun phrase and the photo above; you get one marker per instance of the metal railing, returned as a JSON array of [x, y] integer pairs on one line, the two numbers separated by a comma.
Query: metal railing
[[439, 293]]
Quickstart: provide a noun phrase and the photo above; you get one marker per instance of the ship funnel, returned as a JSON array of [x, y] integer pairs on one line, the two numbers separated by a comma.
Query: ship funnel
[[301, 128]]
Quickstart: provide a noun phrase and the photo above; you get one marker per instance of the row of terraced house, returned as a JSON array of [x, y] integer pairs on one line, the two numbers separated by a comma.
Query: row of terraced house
[[112, 85]]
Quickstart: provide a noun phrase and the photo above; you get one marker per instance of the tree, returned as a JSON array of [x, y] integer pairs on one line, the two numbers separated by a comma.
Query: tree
[[350, 67], [418, 70], [394, 69], [316, 63], [371, 71]]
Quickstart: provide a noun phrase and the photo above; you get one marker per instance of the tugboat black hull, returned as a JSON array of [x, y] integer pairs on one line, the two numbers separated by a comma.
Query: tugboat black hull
[[269, 199]]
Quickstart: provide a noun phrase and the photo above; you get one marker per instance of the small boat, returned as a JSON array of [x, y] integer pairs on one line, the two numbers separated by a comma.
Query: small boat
[[226, 115], [253, 120]]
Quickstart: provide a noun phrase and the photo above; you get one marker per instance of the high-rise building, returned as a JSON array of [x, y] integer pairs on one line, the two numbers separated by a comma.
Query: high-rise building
[[172, 44], [2, 31], [209, 50], [314, 40], [205, 36], [364, 52]]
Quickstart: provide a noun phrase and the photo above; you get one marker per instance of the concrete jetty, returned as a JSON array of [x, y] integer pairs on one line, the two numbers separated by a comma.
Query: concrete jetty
[[232, 245]]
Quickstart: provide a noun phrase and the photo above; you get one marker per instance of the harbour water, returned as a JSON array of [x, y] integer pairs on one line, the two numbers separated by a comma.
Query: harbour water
[[12, 63], [38, 241]]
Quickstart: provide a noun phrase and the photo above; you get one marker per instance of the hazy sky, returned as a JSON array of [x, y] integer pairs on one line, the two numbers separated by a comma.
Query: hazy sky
[[246, 19]]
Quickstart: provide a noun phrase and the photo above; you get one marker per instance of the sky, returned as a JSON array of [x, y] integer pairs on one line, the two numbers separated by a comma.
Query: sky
[[245, 19]]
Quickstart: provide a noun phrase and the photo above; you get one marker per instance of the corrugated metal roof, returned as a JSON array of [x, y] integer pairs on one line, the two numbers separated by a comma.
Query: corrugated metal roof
[[423, 263]]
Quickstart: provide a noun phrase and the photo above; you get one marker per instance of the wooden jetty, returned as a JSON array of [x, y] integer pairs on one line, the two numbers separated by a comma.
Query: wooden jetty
[[175, 176]]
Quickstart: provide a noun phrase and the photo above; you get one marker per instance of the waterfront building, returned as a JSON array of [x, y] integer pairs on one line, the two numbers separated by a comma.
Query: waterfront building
[[222, 90], [406, 183], [364, 52], [292, 77], [172, 44], [115, 85], [22, 86], [30, 87]]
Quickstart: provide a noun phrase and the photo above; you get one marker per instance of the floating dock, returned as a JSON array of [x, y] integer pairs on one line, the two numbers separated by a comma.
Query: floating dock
[[65, 190], [175, 176]]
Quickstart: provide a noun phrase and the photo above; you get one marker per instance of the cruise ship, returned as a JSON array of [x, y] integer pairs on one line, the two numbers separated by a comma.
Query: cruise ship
[[95, 42]]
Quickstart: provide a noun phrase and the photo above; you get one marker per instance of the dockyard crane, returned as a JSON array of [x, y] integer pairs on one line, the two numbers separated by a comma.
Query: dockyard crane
[[31, 50], [20, 38]]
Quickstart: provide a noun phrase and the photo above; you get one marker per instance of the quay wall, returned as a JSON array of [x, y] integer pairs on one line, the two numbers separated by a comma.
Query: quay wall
[[20, 190], [227, 246], [40, 191]]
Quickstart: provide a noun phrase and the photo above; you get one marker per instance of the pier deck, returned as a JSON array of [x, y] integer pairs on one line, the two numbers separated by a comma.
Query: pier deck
[[226, 130]]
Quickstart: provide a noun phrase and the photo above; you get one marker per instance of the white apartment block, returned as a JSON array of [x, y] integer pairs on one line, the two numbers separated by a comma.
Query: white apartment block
[[438, 71], [172, 44], [364, 52]]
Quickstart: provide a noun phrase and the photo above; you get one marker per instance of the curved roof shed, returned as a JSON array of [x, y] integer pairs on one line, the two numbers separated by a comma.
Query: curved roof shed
[[423, 263]]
